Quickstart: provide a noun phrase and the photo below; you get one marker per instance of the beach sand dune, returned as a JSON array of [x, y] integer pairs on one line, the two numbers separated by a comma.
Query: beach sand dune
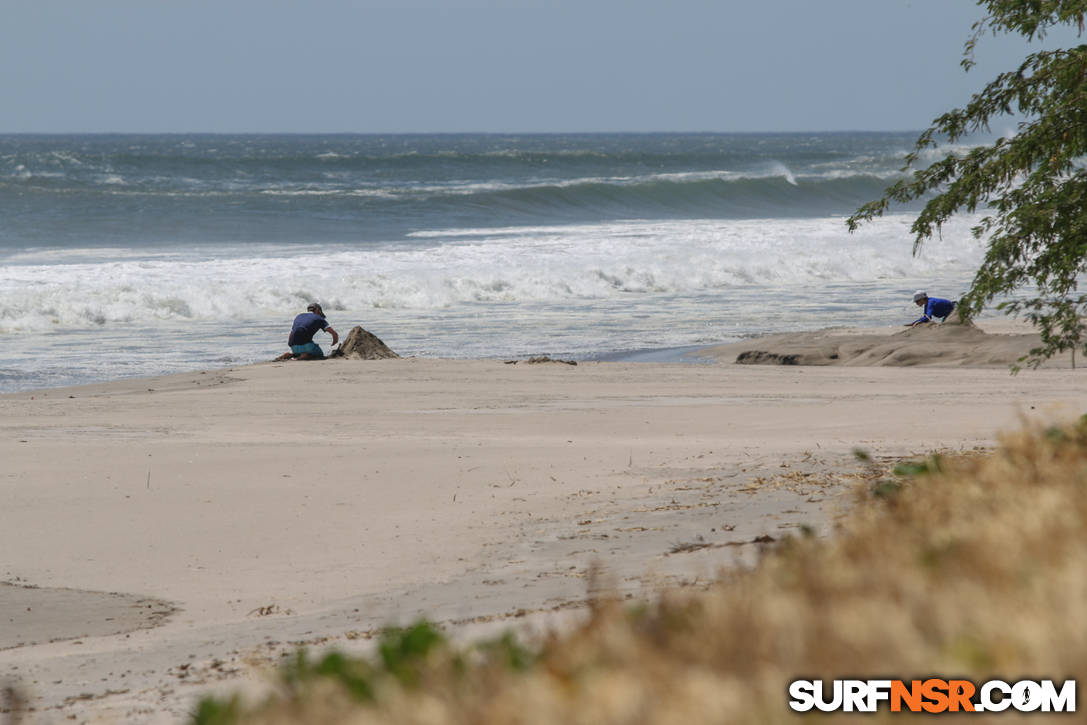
[[993, 344], [308, 504]]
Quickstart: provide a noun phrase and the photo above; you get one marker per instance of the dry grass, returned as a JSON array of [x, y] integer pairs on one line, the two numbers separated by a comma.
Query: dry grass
[[978, 570]]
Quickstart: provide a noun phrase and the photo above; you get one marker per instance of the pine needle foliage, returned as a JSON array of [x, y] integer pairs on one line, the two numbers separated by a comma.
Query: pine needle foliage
[[1032, 185]]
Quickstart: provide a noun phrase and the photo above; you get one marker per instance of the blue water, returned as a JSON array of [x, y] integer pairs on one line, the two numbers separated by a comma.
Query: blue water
[[179, 252]]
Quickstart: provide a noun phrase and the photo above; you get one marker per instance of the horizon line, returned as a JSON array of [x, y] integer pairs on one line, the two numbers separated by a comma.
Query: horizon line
[[455, 133]]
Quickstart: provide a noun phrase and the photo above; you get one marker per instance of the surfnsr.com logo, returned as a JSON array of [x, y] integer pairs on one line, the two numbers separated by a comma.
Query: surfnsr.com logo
[[932, 696]]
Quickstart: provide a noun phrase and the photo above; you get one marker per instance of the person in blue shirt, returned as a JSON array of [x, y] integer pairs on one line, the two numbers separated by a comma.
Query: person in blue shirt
[[305, 326], [935, 307]]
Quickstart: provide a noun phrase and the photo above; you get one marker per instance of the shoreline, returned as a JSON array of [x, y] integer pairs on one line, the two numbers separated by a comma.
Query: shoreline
[[708, 353], [680, 354], [280, 504]]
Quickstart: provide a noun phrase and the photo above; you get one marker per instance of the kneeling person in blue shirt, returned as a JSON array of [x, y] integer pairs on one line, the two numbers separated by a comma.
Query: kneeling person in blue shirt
[[304, 328], [935, 307]]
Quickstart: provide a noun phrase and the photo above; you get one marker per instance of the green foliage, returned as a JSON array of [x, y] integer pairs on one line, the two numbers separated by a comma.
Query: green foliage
[[403, 651], [356, 676], [1058, 435], [210, 711], [890, 488], [507, 650], [886, 488], [1033, 185], [932, 464], [401, 655]]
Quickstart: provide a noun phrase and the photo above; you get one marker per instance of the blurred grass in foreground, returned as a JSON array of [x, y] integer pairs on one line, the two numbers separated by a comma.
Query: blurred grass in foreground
[[973, 567]]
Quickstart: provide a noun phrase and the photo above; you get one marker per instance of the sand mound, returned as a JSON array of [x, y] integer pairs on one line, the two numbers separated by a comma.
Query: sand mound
[[362, 345], [949, 345]]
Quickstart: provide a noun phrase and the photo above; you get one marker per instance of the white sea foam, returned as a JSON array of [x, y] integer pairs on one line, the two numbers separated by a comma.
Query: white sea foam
[[935, 153], [447, 269], [779, 169], [65, 157], [373, 193], [773, 170]]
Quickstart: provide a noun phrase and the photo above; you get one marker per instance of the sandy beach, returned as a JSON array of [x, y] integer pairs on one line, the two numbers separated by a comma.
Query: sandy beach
[[164, 538]]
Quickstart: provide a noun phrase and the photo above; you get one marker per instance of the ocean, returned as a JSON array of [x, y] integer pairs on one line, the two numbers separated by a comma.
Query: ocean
[[130, 255]]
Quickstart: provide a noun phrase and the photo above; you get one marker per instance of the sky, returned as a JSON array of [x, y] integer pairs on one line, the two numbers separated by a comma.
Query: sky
[[363, 66]]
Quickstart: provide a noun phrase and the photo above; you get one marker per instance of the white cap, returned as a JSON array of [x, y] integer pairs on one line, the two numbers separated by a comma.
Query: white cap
[[919, 295]]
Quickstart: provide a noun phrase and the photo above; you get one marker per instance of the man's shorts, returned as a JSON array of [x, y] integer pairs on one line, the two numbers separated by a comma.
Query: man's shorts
[[310, 347]]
